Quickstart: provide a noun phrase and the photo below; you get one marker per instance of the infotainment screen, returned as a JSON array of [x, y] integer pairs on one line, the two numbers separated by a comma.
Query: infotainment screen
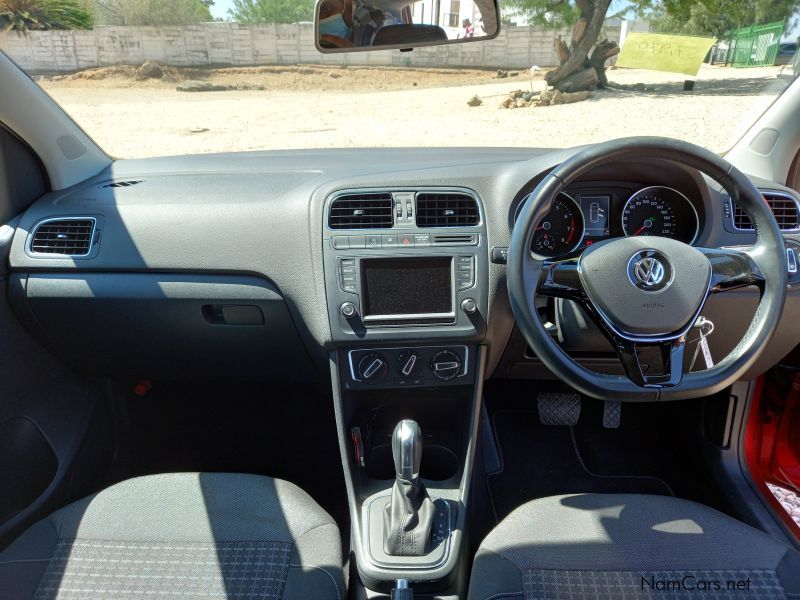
[[407, 286]]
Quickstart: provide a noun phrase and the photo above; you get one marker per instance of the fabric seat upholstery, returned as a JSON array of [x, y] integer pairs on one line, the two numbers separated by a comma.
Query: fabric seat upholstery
[[190, 535], [629, 546]]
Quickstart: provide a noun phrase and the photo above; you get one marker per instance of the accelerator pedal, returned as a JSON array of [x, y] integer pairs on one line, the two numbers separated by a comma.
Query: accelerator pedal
[[558, 409], [612, 414]]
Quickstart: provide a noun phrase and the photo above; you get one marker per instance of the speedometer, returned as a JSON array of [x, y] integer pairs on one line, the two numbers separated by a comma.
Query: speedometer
[[560, 231], [663, 212]]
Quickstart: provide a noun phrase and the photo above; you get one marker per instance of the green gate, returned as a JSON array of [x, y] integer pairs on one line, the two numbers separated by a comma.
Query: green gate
[[755, 46]]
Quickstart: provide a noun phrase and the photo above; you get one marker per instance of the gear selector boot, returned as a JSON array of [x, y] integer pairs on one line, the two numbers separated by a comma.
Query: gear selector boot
[[409, 516]]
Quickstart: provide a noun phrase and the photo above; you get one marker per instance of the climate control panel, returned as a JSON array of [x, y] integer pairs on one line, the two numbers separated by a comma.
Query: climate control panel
[[407, 367]]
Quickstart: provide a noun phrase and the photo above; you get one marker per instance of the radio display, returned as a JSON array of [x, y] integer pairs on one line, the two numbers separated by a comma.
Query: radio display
[[407, 286]]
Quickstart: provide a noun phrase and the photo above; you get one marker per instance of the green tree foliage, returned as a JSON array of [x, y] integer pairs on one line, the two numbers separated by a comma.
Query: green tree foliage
[[544, 13], [151, 12], [699, 17], [272, 11], [714, 17], [24, 15], [554, 14]]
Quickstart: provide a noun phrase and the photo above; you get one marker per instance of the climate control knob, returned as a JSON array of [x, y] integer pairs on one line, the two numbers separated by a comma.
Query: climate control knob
[[409, 364], [372, 368], [446, 365]]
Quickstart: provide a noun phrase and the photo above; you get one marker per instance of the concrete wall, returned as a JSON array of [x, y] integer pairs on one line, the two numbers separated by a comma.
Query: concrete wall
[[235, 44], [633, 26]]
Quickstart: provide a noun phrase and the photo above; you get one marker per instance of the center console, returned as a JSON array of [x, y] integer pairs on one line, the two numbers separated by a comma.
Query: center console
[[405, 265], [406, 275]]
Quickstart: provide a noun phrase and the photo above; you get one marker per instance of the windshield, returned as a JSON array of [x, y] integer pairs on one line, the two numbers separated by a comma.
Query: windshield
[[198, 76]]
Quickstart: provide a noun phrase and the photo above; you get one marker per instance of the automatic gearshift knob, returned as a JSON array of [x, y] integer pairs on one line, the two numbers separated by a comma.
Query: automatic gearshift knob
[[407, 449]]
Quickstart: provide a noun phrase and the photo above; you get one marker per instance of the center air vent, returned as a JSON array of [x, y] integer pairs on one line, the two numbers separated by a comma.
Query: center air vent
[[67, 237], [784, 207], [449, 209], [361, 211]]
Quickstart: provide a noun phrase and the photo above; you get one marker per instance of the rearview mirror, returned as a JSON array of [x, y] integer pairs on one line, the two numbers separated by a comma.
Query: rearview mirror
[[361, 25]]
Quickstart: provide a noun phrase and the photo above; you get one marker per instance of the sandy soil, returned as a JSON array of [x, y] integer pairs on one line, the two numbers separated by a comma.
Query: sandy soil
[[324, 107]]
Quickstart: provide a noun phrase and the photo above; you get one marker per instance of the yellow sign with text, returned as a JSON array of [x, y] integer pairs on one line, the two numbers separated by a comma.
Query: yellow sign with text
[[664, 52]]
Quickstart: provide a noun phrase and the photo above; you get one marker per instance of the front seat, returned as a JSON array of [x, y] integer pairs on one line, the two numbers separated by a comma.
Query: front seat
[[392, 35], [187, 535], [593, 546]]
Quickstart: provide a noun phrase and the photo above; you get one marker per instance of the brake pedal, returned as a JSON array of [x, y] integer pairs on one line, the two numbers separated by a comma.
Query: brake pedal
[[612, 414], [558, 409]]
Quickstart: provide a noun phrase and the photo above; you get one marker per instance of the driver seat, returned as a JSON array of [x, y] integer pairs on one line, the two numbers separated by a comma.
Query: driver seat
[[594, 546]]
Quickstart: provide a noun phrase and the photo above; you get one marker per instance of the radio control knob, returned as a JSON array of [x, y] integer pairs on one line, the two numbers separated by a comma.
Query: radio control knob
[[372, 367], [469, 306], [409, 364], [446, 365], [348, 310]]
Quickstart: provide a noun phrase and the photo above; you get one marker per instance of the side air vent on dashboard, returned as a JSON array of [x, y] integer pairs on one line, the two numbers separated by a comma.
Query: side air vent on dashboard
[[785, 208], [361, 211], [67, 237], [447, 209], [122, 184]]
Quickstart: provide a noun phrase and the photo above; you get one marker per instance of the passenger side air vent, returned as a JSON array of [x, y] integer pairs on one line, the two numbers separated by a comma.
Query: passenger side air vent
[[361, 211], [122, 184], [68, 237], [784, 207], [447, 209]]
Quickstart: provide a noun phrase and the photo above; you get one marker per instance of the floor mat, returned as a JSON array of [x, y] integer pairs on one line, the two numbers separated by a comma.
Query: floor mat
[[540, 460], [284, 431]]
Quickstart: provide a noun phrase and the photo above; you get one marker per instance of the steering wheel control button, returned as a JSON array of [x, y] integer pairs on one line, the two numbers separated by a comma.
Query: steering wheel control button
[[372, 368], [446, 365], [409, 364], [348, 310], [469, 306], [649, 270]]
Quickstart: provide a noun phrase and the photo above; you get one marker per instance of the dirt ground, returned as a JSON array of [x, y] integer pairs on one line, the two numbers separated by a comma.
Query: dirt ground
[[324, 107]]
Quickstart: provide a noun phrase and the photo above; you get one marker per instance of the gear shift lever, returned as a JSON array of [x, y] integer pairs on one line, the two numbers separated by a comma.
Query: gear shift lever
[[409, 515], [407, 450]]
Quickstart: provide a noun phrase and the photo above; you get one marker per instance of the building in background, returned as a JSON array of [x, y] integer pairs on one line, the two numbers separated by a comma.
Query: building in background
[[448, 14]]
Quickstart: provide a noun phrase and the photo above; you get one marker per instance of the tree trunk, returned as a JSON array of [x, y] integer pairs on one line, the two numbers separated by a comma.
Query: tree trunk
[[562, 50], [601, 53], [577, 71], [585, 79]]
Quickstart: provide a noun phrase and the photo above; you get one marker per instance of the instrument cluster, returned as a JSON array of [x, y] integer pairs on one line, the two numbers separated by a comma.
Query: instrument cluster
[[584, 216]]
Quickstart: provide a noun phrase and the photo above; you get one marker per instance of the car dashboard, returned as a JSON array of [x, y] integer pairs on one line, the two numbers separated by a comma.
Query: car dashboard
[[283, 258]]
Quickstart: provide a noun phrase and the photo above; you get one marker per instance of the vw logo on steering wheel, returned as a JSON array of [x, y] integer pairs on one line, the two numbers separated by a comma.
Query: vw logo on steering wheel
[[649, 270]]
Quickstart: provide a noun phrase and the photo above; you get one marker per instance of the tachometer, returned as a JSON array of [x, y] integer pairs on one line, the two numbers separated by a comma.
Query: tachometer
[[561, 231], [663, 212]]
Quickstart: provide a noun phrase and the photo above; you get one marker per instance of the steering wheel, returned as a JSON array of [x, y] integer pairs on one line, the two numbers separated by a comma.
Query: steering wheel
[[648, 292]]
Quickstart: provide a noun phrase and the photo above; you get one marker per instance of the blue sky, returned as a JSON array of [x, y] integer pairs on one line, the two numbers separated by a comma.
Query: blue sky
[[220, 8]]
